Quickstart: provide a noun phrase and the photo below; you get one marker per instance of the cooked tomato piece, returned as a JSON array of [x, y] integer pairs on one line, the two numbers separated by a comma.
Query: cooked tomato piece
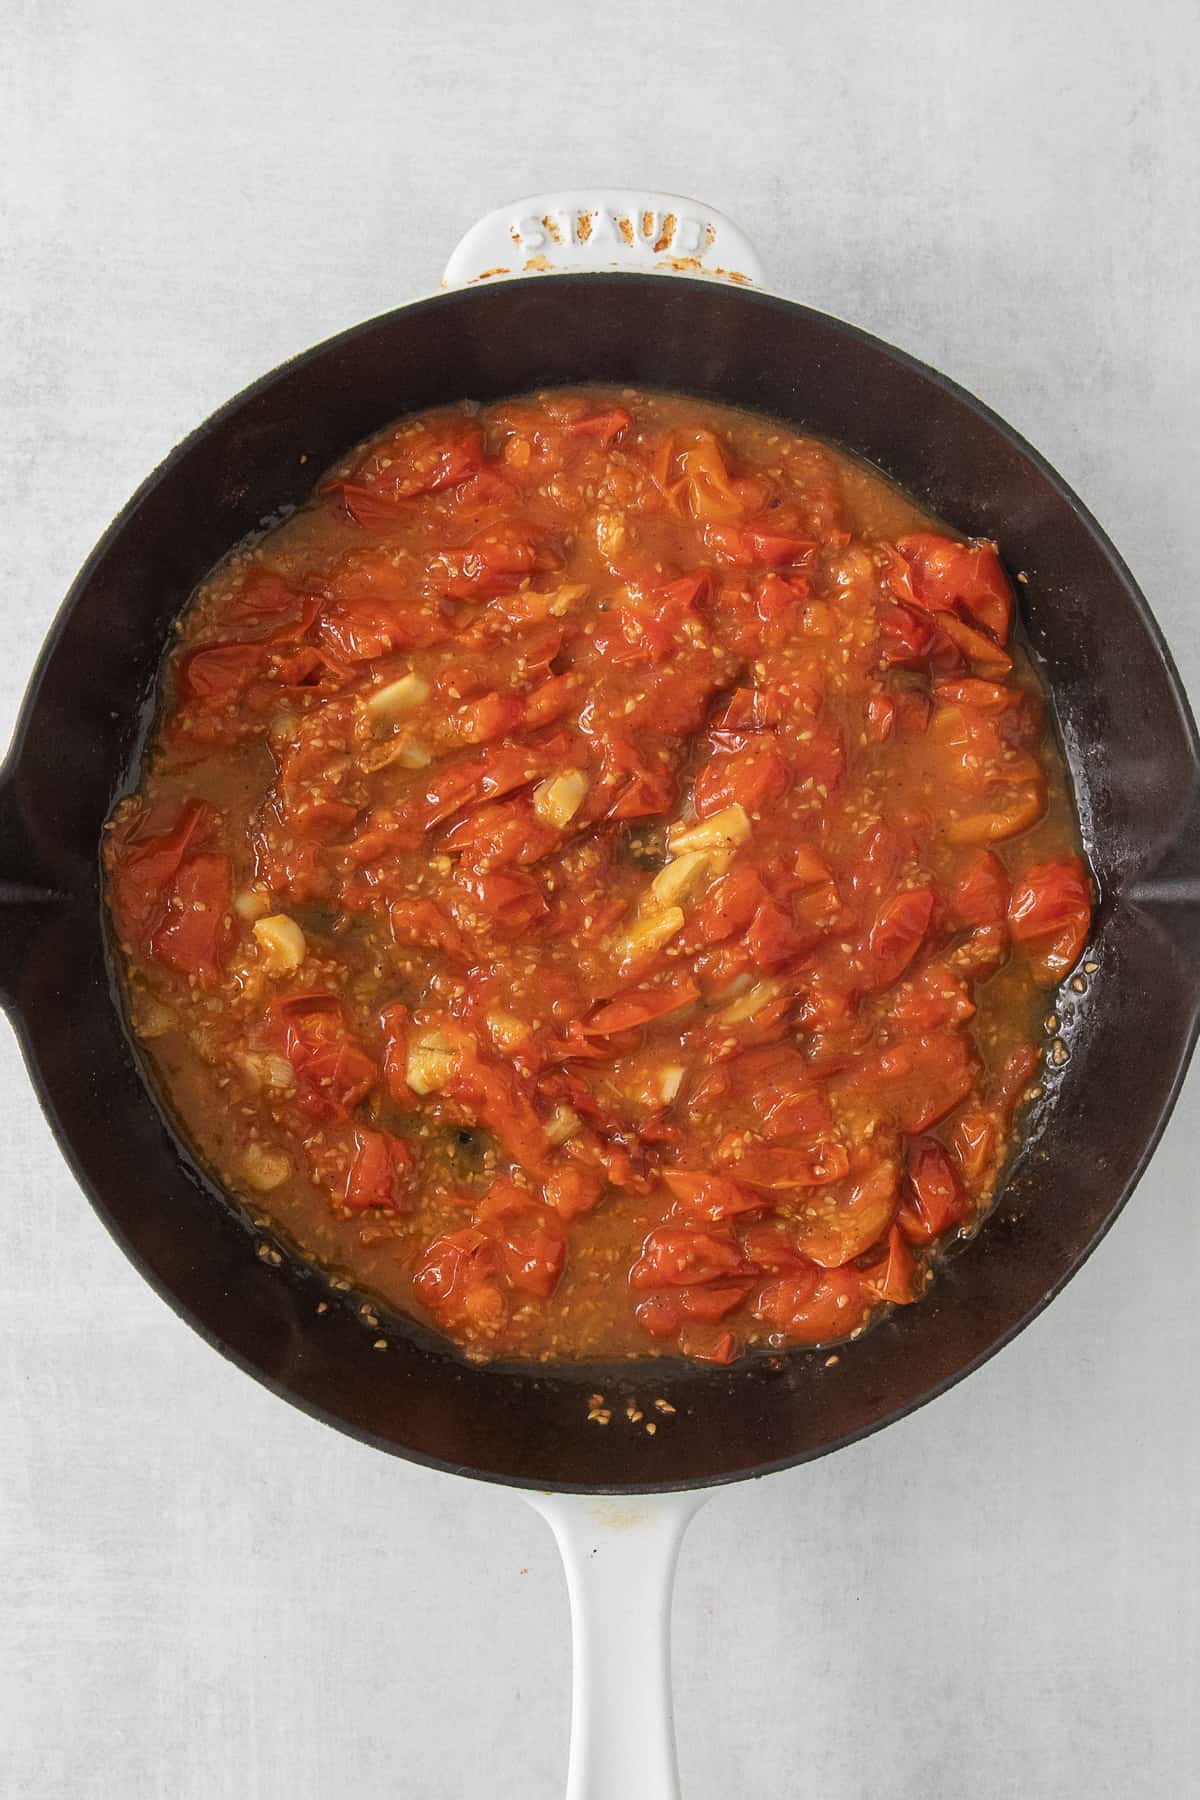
[[196, 927], [918, 1080], [750, 778], [419, 460], [458, 1279], [573, 1188], [935, 1199], [752, 546], [797, 1166], [894, 1278], [145, 868], [773, 940], [635, 1009], [422, 922], [711, 1197], [772, 1248], [604, 427], [373, 607], [980, 895], [974, 1142], [939, 573], [220, 674], [678, 1256], [898, 933], [817, 1307], [496, 561], [333, 1072], [530, 1238], [1050, 917], [509, 900], [491, 716], [380, 1174], [705, 1343], [845, 1220]]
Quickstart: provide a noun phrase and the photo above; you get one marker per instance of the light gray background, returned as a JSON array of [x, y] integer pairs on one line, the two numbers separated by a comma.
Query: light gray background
[[205, 1595]]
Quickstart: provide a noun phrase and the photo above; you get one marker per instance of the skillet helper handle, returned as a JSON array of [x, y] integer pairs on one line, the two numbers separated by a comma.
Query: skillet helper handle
[[582, 230], [26, 891], [619, 1554]]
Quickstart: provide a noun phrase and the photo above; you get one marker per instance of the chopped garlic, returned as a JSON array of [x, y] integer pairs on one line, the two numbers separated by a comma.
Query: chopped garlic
[[651, 932], [683, 879], [431, 1063], [562, 1124], [610, 533], [557, 799], [388, 704], [507, 1031], [731, 826], [669, 1082], [564, 598], [251, 903], [266, 1070], [749, 1003], [265, 1169], [153, 1020], [413, 756], [282, 943]]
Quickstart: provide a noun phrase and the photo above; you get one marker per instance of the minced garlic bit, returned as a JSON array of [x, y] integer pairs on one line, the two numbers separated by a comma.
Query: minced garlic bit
[[749, 1003], [388, 705], [669, 1080], [265, 1169], [282, 944], [431, 1063], [684, 878], [413, 755], [558, 799], [507, 1031], [562, 1124], [731, 826], [651, 932], [251, 903]]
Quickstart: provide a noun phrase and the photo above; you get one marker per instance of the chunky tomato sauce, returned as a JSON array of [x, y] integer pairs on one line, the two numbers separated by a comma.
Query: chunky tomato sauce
[[593, 876]]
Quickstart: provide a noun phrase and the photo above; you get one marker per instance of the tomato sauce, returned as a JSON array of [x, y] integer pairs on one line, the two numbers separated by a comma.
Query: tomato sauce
[[594, 879]]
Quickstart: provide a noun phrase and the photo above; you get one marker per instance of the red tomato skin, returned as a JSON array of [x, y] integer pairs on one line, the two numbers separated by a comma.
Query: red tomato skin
[[1050, 917], [894, 1279], [196, 927], [377, 1175], [942, 574], [333, 1072], [934, 1199], [711, 1197], [573, 1189], [980, 895], [457, 1278], [680, 1257], [898, 933], [752, 778], [604, 427], [815, 1310], [144, 869]]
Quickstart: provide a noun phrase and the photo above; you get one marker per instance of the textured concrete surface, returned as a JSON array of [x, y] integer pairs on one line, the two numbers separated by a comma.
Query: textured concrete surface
[[206, 1596]]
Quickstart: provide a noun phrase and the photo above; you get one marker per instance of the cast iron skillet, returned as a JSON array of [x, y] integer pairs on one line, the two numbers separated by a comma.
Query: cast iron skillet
[[1125, 725]]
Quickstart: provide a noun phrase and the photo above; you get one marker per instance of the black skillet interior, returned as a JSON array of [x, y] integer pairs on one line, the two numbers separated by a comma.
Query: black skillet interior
[[1123, 719]]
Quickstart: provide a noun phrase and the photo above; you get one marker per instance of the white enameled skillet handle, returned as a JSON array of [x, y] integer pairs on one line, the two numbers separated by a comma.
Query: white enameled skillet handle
[[604, 228], [619, 1555]]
